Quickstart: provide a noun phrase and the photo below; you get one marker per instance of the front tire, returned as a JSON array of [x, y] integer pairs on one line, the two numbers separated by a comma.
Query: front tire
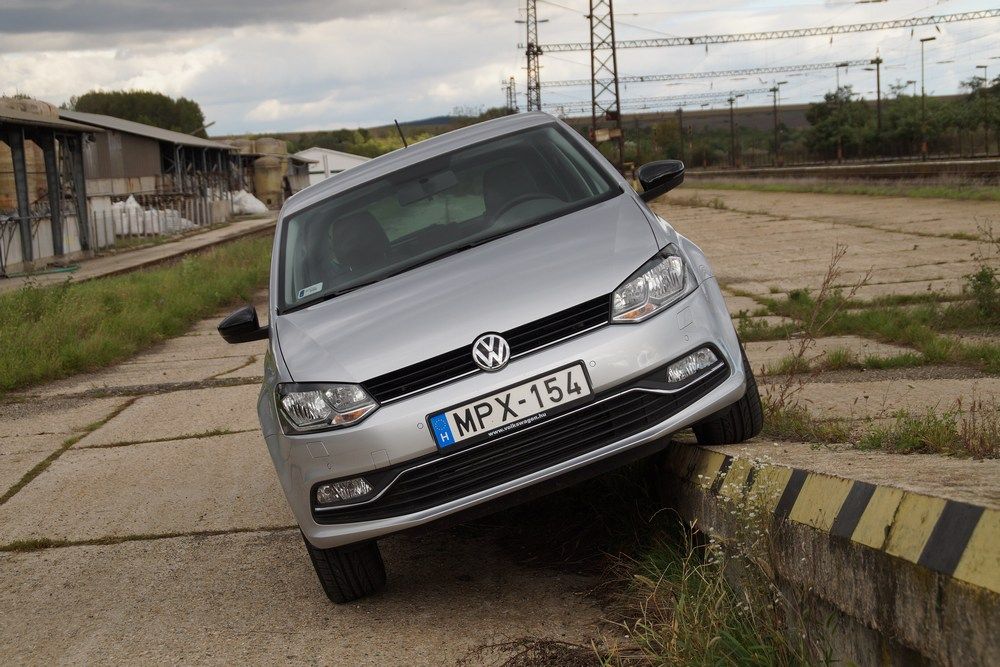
[[737, 423], [350, 572]]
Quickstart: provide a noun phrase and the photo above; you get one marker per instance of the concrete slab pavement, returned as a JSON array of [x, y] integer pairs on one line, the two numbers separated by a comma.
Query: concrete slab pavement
[[253, 598], [200, 484], [180, 414], [784, 242], [32, 430]]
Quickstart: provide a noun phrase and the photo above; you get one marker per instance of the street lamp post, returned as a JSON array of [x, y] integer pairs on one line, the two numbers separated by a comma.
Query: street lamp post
[[774, 94], [837, 68], [923, 100], [986, 113], [878, 90], [732, 129]]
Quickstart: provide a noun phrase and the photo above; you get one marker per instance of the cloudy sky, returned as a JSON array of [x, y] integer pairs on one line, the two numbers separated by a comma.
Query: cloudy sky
[[262, 65]]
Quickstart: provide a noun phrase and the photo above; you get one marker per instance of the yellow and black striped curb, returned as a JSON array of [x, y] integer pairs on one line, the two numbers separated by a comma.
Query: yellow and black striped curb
[[947, 536]]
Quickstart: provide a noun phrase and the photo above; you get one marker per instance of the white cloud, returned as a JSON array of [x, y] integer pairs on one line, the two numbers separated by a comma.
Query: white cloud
[[320, 64]]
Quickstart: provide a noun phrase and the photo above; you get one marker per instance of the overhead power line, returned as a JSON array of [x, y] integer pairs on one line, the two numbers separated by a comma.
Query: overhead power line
[[780, 34], [714, 75], [633, 101]]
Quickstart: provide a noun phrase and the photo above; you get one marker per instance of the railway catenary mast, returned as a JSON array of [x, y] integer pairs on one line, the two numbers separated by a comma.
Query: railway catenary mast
[[532, 51], [605, 104], [510, 93]]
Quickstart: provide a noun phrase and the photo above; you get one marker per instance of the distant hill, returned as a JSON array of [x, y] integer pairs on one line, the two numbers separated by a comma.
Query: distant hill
[[374, 141]]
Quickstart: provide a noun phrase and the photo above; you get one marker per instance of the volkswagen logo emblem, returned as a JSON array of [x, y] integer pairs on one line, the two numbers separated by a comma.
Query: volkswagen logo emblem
[[491, 352]]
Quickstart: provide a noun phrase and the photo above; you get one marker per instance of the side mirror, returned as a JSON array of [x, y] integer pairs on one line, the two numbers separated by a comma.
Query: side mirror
[[242, 326], [659, 177]]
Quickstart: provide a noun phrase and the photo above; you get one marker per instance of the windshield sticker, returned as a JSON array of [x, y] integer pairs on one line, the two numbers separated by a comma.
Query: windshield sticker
[[312, 289]]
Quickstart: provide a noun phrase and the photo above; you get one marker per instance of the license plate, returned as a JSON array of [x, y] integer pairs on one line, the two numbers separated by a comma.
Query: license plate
[[509, 409]]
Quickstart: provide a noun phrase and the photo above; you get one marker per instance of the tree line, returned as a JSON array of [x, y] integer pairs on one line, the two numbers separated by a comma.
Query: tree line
[[840, 127], [144, 106]]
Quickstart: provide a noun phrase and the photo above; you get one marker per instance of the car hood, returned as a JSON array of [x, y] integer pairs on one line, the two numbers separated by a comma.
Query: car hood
[[446, 304]]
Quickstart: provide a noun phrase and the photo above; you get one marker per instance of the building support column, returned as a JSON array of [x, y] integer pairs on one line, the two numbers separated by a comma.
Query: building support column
[[15, 139], [47, 142], [74, 145]]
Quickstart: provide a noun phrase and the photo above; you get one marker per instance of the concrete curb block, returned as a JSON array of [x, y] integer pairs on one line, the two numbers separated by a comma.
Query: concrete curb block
[[916, 576]]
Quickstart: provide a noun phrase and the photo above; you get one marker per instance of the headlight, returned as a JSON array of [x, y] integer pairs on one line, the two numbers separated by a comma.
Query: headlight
[[654, 286], [315, 407]]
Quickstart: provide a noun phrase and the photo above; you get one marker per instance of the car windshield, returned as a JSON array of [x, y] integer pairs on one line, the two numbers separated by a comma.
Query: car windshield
[[437, 207]]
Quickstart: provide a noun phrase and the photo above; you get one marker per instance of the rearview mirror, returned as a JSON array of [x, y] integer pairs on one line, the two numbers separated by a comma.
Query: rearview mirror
[[659, 177], [242, 326]]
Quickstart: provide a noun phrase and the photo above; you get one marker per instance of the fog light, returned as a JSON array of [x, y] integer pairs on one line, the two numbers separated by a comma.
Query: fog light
[[684, 368], [338, 492]]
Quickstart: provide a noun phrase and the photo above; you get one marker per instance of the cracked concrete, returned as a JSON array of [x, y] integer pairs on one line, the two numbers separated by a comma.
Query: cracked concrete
[[178, 486], [181, 413], [253, 598], [784, 240]]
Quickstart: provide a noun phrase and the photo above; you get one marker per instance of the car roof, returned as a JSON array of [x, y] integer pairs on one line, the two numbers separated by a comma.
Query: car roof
[[414, 154]]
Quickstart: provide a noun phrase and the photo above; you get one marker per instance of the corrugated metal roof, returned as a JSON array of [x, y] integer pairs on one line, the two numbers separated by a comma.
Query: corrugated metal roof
[[17, 117], [330, 151], [131, 127]]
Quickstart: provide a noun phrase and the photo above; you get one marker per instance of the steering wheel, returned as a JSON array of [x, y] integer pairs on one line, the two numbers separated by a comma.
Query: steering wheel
[[521, 199]]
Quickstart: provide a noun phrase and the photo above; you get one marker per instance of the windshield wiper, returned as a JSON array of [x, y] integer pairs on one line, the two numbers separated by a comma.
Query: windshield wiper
[[450, 252]]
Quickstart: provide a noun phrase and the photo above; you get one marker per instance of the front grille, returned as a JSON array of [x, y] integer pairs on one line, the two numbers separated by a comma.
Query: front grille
[[523, 339], [451, 476]]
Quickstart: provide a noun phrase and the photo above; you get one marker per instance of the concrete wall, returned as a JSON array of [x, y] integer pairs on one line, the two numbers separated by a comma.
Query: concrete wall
[[888, 576], [10, 245]]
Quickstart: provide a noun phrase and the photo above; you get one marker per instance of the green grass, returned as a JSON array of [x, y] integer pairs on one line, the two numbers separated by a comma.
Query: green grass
[[917, 326], [794, 423], [843, 359], [973, 192], [688, 613], [908, 434], [973, 433], [969, 431], [752, 329], [47, 333]]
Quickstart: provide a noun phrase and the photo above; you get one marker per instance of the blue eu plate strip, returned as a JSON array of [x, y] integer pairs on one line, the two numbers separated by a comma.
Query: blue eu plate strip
[[442, 431]]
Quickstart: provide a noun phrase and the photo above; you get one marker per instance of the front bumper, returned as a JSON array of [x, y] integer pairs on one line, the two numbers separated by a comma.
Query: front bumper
[[617, 356]]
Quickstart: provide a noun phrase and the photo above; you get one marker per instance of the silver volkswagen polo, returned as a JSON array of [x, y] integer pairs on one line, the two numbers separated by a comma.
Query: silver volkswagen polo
[[477, 319]]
